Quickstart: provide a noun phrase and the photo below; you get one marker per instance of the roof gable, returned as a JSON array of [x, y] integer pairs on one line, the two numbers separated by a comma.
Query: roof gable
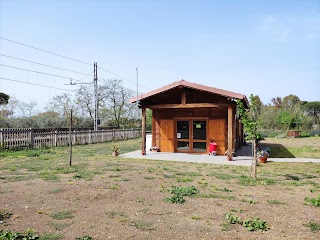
[[194, 86]]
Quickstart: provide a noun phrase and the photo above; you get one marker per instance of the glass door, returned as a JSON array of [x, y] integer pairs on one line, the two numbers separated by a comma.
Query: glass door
[[199, 140], [191, 136], [183, 136]]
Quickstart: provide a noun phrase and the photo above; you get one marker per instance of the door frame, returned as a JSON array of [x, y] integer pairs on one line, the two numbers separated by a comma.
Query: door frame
[[191, 140]]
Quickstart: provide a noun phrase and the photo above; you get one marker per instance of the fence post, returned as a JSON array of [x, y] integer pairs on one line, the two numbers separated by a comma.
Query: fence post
[[102, 132], [1, 138], [90, 136], [55, 138], [31, 138], [74, 137]]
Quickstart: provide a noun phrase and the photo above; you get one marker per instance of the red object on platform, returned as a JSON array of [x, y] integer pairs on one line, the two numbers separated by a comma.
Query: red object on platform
[[213, 147]]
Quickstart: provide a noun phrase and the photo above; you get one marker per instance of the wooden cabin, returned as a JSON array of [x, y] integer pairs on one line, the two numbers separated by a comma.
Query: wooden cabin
[[185, 116]]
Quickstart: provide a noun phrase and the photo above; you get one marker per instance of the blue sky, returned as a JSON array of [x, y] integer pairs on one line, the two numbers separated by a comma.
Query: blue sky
[[267, 48]]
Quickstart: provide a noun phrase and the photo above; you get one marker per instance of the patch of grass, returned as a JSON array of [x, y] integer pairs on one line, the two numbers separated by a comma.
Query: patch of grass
[[114, 187], [149, 177], [252, 201], [183, 191], [55, 191], [47, 174], [142, 225], [168, 176], [5, 214], [51, 236], [60, 226], [184, 179], [247, 181], [176, 198], [8, 235], [62, 215], [223, 189], [274, 202], [86, 237], [313, 201], [195, 217], [222, 176], [213, 195], [151, 170], [314, 227], [192, 174]]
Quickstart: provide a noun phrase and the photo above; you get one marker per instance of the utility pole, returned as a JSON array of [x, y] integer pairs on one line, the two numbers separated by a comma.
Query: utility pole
[[137, 85], [70, 139], [95, 83]]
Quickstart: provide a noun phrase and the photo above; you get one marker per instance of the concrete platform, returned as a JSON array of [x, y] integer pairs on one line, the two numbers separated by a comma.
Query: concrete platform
[[244, 157]]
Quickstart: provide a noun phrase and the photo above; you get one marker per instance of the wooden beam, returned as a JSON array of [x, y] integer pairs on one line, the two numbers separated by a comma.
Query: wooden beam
[[230, 129], [189, 105], [144, 133], [183, 97]]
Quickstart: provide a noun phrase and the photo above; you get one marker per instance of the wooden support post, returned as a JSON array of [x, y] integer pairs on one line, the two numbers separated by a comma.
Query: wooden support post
[[31, 137], [144, 133], [230, 129]]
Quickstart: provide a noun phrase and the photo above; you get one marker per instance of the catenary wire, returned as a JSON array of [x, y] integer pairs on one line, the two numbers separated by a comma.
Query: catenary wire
[[59, 55], [39, 49], [20, 59], [49, 74], [13, 80]]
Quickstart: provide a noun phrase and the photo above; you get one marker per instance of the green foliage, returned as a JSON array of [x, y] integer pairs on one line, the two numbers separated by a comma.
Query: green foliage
[[255, 224], [8, 235], [86, 237], [232, 218], [176, 198], [314, 227], [313, 201], [62, 215], [251, 225], [274, 202], [5, 214], [183, 191], [142, 225]]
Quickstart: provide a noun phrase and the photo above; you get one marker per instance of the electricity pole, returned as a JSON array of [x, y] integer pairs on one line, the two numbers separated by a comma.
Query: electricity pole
[[95, 83]]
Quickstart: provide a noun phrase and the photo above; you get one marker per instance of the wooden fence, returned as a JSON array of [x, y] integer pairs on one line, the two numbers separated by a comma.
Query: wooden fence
[[11, 138]]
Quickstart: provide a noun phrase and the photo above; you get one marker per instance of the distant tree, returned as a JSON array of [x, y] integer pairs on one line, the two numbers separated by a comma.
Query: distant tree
[[4, 98], [313, 109], [257, 103], [290, 101], [277, 102]]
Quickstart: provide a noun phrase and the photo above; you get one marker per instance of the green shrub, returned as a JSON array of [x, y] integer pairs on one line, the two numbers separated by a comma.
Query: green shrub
[[176, 198], [183, 191], [313, 201]]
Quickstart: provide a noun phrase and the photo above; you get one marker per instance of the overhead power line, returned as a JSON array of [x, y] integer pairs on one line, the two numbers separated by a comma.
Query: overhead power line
[[42, 50], [120, 77], [20, 59], [13, 80], [49, 74], [73, 59]]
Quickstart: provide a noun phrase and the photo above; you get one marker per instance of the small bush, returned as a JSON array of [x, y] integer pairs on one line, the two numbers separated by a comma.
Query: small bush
[[313, 201], [314, 227], [183, 191], [255, 224], [176, 198]]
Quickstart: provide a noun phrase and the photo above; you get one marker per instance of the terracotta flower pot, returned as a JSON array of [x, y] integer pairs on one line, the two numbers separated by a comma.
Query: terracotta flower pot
[[229, 158], [263, 159]]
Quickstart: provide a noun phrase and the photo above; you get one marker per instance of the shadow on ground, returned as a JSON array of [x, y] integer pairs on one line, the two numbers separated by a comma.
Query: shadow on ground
[[278, 151]]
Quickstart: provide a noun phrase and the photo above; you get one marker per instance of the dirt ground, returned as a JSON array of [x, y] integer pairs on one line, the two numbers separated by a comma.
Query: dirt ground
[[128, 203]]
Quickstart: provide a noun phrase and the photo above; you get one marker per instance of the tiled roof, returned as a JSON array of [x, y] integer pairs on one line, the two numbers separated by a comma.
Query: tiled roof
[[183, 83]]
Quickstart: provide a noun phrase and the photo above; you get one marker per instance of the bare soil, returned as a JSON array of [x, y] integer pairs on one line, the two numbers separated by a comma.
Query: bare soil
[[129, 204]]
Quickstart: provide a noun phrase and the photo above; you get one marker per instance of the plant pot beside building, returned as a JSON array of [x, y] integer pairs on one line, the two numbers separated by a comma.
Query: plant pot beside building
[[229, 156], [263, 156], [115, 151]]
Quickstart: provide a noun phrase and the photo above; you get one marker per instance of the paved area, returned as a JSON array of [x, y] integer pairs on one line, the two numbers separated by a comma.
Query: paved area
[[244, 157]]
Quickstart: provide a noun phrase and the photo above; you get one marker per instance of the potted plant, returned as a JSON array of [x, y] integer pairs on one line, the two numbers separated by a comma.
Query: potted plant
[[115, 151], [263, 156], [229, 156]]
